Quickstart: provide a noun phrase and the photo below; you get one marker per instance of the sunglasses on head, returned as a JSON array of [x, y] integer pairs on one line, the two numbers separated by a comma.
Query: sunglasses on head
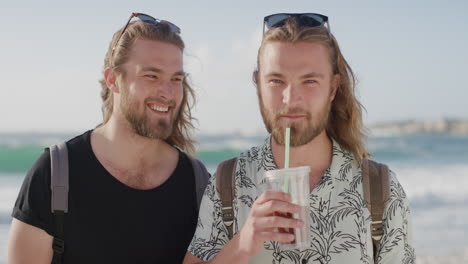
[[147, 19], [303, 19]]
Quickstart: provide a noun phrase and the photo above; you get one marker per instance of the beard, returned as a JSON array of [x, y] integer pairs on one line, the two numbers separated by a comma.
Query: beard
[[139, 122], [301, 132]]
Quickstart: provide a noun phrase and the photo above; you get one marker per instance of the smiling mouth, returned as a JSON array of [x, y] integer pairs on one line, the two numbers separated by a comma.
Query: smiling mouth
[[159, 108]]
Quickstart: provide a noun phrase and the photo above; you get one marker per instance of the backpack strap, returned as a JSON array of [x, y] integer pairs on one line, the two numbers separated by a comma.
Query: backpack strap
[[59, 199], [201, 178], [225, 178], [376, 184]]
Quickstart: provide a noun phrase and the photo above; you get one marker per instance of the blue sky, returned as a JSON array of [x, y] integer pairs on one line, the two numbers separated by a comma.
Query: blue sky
[[410, 58]]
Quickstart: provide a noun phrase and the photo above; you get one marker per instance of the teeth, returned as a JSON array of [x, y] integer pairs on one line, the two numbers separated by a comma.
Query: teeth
[[160, 108]]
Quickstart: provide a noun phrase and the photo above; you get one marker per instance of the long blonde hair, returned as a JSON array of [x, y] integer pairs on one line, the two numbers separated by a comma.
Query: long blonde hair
[[345, 120], [180, 136]]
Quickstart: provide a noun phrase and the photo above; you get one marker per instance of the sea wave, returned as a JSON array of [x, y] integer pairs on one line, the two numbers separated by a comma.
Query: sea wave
[[19, 151], [432, 169], [420, 149], [435, 184], [18, 158]]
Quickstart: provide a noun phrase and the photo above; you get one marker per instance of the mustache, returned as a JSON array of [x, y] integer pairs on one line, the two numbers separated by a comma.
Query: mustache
[[170, 103], [292, 111]]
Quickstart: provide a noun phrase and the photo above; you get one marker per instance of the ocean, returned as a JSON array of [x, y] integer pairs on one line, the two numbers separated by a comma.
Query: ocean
[[433, 170]]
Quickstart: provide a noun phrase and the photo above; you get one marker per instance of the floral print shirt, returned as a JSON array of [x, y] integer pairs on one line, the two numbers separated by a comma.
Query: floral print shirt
[[339, 218]]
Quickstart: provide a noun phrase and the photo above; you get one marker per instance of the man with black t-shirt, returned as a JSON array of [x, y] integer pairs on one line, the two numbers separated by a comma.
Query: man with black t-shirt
[[132, 196]]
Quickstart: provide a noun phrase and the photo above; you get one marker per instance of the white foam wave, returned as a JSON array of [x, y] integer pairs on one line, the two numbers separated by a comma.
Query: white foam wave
[[446, 182]]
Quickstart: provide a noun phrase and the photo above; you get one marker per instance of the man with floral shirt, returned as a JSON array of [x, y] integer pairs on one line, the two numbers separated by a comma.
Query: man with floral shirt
[[304, 82]]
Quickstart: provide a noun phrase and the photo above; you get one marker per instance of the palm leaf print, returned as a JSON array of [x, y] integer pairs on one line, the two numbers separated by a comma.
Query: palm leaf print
[[247, 200], [345, 242]]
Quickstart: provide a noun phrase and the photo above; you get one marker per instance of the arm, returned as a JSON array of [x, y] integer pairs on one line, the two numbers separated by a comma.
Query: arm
[[259, 227], [396, 245], [28, 244], [30, 235]]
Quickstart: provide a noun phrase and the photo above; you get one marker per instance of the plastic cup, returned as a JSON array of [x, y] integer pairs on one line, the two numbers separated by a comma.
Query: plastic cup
[[297, 180]]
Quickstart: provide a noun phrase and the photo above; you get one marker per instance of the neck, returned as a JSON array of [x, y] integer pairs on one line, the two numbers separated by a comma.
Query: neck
[[317, 154], [119, 144]]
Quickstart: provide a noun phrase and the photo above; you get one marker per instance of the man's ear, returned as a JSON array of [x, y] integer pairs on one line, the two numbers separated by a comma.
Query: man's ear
[[335, 85], [110, 77], [255, 77]]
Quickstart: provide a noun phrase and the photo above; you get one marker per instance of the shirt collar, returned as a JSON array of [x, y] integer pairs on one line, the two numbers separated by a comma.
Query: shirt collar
[[340, 168]]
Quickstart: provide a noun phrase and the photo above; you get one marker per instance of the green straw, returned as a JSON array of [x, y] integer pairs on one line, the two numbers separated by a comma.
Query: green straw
[[286, 158]]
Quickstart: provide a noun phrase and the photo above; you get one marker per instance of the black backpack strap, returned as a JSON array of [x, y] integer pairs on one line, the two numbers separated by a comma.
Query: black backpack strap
[[225, 184], [58, 244], [201, 178], [59, 199], [376, 184]]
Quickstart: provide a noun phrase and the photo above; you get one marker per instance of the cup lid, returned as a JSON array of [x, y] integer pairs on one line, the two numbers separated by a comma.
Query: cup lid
[[288, 171]]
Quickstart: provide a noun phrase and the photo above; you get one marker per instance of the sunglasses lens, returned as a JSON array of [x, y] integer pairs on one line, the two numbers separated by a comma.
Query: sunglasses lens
[[305, 20], [147, 19], [309, 20], [152, 20], [174, 28], [275, 20]]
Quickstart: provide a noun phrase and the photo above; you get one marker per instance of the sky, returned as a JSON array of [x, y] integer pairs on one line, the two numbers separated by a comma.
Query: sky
[[410, 58]]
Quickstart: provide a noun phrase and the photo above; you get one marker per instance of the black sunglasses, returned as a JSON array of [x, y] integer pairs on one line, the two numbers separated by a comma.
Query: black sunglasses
[[148, 19], [304, 20]]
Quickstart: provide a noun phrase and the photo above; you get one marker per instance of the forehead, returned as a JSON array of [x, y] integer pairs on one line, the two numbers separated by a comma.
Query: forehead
[[299, 57], [158, 54]]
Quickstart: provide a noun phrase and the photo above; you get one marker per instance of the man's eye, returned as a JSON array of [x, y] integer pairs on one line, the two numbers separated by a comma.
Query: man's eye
[[151, 76], [276, 81], [177, 79], [310, 81]]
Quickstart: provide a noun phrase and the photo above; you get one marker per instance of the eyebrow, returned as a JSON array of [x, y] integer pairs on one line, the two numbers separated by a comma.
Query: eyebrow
[[275, 74], [305, 76], [157, 70], [313, 75]]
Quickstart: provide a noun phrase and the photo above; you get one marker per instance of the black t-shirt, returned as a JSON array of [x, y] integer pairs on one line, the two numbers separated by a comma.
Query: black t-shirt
[[108, 221]]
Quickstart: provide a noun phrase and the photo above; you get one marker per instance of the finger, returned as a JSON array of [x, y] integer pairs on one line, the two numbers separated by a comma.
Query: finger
[[276, 236], [270, 229], [273, 195], [265, 223], [273, 206]]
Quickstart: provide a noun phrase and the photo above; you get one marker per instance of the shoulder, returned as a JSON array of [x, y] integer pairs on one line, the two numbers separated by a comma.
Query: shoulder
[[397, 191], [39, 173], [397, 198], [80, 142], [257, 156], [40, 170], [392, 177], [32, 205], [195, 163], [252, 154], [201, 174]]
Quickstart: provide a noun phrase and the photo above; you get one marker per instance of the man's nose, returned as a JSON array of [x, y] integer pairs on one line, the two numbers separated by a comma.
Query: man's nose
[[291, 95], [166, 90]]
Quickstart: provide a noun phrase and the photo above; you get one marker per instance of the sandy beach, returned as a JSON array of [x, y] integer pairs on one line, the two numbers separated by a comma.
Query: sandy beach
[[452, 257]]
